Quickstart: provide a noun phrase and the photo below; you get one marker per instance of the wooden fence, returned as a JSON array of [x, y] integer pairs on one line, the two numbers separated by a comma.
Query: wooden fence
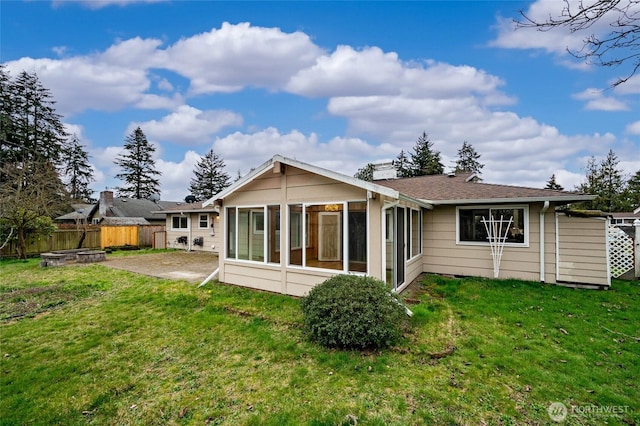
[[61, 239], [96, 237]]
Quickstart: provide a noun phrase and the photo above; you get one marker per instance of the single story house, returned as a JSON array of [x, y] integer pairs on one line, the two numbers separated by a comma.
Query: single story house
[[140, 211], [288, 225], [193, 227]]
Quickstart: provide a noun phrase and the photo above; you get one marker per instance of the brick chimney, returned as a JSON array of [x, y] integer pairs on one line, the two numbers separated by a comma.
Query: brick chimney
[[106, 202]]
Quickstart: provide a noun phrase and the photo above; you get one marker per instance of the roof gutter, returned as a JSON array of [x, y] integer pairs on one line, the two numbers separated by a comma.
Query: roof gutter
[[513, 200], [545, 207]]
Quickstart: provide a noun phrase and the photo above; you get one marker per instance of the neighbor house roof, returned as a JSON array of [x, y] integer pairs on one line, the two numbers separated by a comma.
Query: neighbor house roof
[[464, 188], [124, 221], [270, 164], [136, 208]]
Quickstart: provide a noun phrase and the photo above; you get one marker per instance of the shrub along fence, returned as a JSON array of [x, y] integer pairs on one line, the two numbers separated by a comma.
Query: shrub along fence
[[95, 237]]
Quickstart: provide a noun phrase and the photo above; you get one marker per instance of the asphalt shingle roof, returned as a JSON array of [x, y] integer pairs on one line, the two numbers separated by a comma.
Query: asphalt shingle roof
[[443, 189]]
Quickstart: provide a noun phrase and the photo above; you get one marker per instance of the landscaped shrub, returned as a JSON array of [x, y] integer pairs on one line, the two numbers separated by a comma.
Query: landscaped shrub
[[355, 312]]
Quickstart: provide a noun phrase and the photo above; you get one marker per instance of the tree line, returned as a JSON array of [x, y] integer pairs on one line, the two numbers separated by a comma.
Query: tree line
[[44, 169]]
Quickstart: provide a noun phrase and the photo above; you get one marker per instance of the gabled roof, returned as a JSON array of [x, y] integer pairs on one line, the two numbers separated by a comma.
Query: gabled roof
[[462, 188], [133, 207], [268, 165]]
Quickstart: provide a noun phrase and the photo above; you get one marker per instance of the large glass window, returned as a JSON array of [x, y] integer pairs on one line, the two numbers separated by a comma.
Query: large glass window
[[511, 222], [231, 233], [318, 238], [246, 235]]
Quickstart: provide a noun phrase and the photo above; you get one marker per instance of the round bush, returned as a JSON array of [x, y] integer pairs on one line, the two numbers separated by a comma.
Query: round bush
[[354, 312]]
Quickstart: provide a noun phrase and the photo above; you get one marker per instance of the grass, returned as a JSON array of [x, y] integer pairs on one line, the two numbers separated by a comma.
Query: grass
[[87, 344]]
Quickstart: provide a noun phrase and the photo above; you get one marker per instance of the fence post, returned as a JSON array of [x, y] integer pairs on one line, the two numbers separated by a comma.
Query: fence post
[[636, 250]]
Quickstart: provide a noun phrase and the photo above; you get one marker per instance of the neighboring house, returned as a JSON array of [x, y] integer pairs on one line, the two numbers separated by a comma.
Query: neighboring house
[[130, 211], [193, 227], [79, 215], [625, 218], [288, 226]]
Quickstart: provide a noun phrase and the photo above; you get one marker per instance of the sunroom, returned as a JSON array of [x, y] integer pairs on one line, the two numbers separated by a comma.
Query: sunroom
[[289, 225]]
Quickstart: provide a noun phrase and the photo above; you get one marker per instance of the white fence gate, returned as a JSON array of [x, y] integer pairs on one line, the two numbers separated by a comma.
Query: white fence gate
[[621, 254]]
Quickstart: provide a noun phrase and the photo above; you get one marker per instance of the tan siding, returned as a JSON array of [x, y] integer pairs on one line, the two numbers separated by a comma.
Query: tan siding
[[582, 250], [261, 277], [442, 255]]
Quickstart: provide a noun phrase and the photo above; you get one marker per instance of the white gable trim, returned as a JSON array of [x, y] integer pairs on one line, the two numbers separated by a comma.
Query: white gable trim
[[268, 165]]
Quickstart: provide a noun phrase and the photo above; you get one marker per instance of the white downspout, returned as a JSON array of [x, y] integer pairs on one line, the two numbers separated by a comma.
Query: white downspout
[[542, 242]]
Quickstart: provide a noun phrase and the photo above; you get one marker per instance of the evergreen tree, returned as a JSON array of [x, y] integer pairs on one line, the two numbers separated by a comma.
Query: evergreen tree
[[605, 181], [139, 173], [403, 165], [612, 185], [31, 150], [424, 159], [37, 133], [365, 173], [632, 193], [78, 171], [210, 177], [552, 184], [468, 160]]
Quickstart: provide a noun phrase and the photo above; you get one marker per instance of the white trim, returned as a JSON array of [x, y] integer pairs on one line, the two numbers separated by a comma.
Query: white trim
[[200, 220], [349, 180], [564, 199], [543, 211], [558, 249]]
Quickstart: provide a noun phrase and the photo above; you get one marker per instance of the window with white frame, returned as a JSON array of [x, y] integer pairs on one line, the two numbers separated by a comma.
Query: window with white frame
[[511, 222], [179, 222], [416, 232], [246, 237], [203, 221], [334, 235]]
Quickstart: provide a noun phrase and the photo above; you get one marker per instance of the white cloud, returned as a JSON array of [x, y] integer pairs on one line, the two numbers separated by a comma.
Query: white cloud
[[99, 4], [633, 128], [348, 73], [556, 40], [596, 100], [236, 56], [188, 125]]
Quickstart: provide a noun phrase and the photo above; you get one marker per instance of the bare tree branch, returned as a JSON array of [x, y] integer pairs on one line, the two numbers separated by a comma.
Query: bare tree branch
[[621, 45]]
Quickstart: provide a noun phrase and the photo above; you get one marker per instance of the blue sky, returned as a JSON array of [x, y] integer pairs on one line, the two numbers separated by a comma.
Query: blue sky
[[336, 84]]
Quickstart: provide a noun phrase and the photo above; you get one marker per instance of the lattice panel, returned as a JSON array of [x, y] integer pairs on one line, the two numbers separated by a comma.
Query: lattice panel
[[620, 251]]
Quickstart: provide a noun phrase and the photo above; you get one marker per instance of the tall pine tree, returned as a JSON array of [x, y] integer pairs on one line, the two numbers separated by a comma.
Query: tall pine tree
[[209, 177], [365, 173], [424, 159], [604, 180], [139, 172], [77, 170], [468, 160], [632, 193], [32, 141]]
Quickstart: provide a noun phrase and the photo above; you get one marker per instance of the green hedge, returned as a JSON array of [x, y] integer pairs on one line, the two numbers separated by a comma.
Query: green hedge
[[354, 312]]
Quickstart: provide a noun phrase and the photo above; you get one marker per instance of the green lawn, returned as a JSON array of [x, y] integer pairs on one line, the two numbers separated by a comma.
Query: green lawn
[[91, 345]]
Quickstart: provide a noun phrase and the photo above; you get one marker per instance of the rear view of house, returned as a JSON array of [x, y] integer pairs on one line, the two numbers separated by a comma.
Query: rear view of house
[[288, 226]]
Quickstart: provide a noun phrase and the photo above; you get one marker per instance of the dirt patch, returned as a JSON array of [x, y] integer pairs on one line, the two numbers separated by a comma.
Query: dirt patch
[[193, 266]]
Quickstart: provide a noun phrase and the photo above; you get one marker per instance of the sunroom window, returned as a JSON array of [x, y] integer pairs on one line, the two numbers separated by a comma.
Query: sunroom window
[[246, 236], [328, 243], [509, 222]]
